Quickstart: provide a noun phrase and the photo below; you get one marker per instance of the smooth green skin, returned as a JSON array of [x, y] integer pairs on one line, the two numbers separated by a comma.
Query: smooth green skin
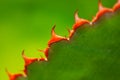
[[91, 54], [26, 24]]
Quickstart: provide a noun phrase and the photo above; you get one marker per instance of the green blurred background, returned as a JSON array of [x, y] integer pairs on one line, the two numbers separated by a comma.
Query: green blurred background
[[26, 25]]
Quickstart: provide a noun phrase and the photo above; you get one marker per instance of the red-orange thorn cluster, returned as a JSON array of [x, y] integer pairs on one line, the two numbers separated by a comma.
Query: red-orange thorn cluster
[[28, 60], [117, 6], [71, 32], [78, 21], [45, 51], [13, 76], [55, 37], [102, 11]]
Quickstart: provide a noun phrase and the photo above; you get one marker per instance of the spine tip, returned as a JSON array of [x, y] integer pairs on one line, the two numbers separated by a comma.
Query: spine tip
[[28, 60], [55, 37]]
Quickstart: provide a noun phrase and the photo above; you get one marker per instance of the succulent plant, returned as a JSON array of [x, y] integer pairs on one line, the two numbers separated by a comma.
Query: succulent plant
[[91, 52]]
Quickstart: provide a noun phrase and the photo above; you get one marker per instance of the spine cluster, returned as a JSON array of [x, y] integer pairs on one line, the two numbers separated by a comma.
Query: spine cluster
[[56, 38]]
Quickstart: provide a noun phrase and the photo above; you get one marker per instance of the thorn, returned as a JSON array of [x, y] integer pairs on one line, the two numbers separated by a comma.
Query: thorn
[[102, 11], [55, 37], [9, 74], [100, 5], [12, 76], [24, 72], [43, 59], [45, 51], [76, 17], [46, 59], [78, 21], [71, 32], [28, 60], [53, 32], [91, 23], [116, 6]]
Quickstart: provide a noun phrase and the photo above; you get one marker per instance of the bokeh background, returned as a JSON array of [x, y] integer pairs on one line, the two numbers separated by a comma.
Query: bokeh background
[[26, 25]]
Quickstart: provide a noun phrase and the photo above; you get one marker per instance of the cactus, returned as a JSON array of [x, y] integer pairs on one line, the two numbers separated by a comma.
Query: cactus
[[91, 52]]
